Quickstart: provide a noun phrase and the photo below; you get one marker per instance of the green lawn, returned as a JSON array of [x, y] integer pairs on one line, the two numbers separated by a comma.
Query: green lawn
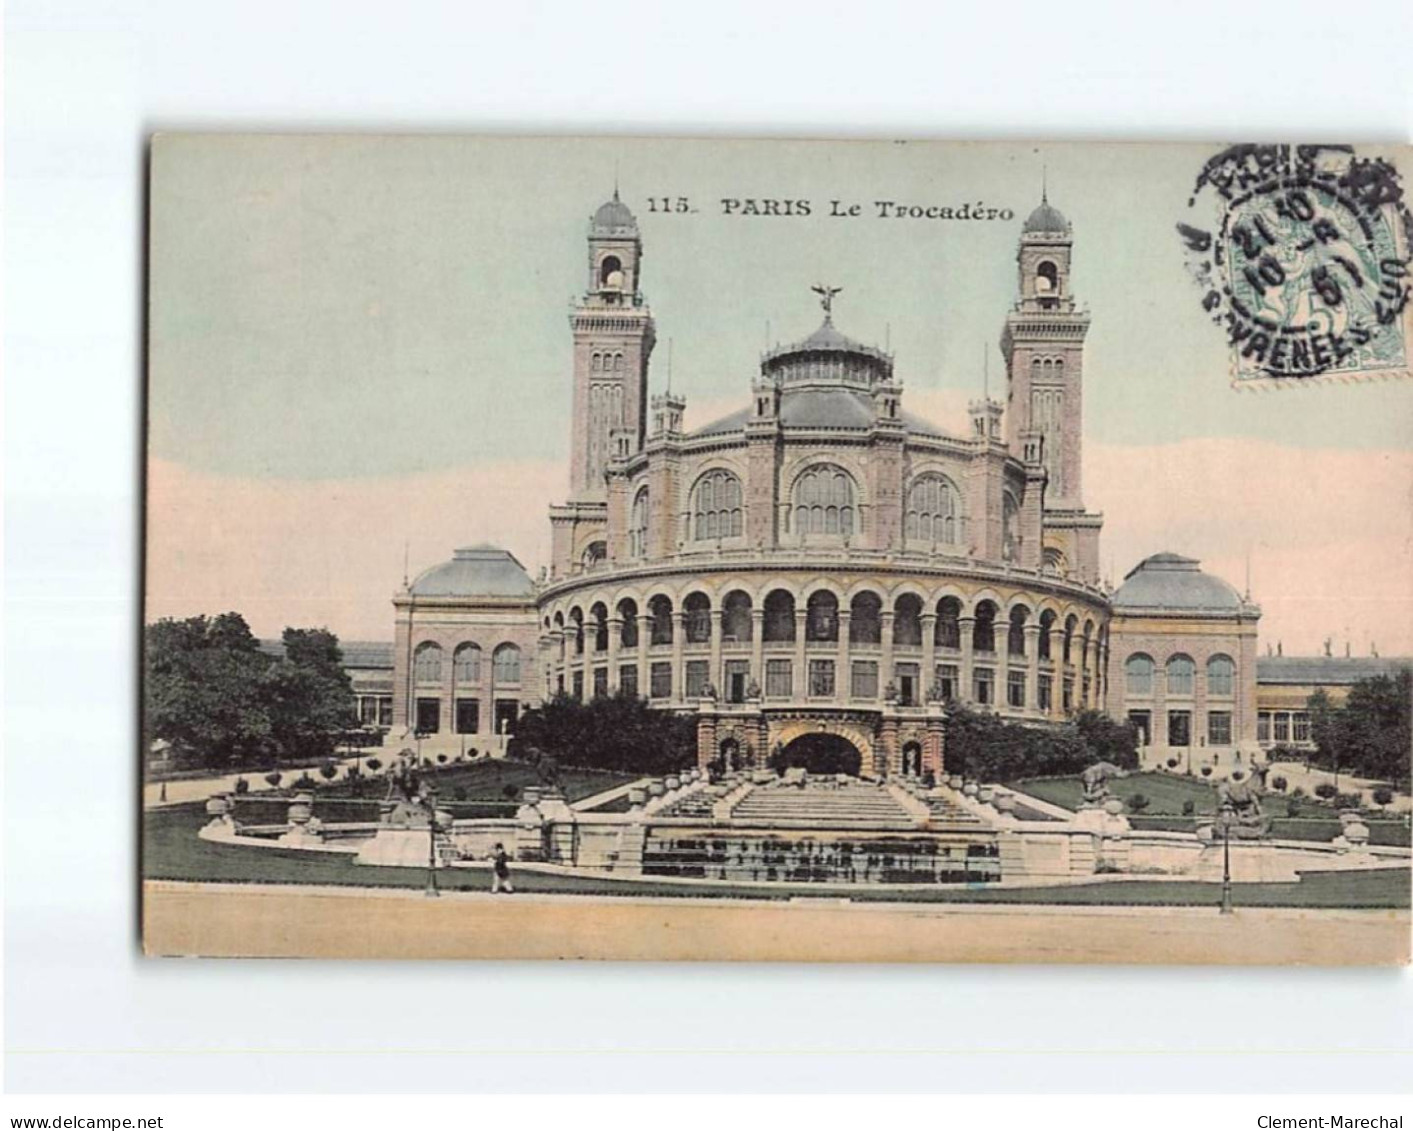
[[1166, 794], [487, 780], [171, 850]]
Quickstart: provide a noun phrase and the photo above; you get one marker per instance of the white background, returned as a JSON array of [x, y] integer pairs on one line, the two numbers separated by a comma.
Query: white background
[[85, 83]]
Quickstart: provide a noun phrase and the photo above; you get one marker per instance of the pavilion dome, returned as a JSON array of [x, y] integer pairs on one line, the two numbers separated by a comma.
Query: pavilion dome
[[1169, 582], [614, 218], [476, 571], [1046, 218]]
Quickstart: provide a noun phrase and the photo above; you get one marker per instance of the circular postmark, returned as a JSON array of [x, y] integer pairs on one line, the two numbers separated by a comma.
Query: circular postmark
[[1306, 267]]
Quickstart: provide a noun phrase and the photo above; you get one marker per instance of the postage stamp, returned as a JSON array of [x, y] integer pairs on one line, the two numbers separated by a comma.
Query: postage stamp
[[1304, 262]]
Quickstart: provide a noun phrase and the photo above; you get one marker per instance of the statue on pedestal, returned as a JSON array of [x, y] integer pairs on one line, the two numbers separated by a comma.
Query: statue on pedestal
[[1239, 809], [1095, 782]]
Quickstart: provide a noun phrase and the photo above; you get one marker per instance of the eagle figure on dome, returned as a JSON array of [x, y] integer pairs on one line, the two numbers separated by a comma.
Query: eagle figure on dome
[[826, 297]]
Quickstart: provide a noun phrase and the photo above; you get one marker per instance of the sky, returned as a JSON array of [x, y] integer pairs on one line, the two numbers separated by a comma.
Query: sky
[[360, 356]]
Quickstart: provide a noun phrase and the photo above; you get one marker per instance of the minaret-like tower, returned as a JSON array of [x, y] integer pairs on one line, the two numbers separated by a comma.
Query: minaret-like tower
[[613, 340], [1043, 344]]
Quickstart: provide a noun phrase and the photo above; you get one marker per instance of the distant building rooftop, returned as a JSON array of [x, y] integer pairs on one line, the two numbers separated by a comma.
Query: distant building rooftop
[[1326, 670], [476, 571]]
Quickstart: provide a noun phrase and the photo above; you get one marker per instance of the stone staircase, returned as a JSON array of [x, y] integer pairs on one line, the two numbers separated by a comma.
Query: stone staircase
[[851, 805]]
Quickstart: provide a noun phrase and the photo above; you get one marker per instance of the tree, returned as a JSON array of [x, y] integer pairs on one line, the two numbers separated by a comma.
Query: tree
[[309, 694], [1383, 797], [616, 732], [1325, 790], [204, 690], [1107, 740]]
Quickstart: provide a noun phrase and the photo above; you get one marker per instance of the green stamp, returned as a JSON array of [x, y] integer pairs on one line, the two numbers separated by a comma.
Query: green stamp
[[1305, 262]]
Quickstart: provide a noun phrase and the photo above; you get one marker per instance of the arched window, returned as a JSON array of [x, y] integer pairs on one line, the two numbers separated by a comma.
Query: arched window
[[866, 619], [1221, 672], [1047, 623], [933, 512], [660, 618], [983, 635], [907, 621], [822, 616], [948, 633], [1181, 669], [628, 614], [1047, 278], [506, 662], [594, 553], [611, 265], [576, 630], [716, 506], [427, 663], [466, 663], [1138, 674], [823, 501], [698, 613], [779, 625], [1010, 529], [736, 626], [1015, 631], [638, 526], [1054, 560], [598, 616]]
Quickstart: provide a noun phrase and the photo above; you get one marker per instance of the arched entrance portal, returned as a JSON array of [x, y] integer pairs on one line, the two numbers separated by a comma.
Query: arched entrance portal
[[823, 753]]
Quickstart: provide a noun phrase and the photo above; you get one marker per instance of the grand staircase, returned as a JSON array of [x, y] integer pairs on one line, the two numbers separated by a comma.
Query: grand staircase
[[822, 805]]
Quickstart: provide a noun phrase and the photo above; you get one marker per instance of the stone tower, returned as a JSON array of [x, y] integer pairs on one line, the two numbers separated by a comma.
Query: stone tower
[[613, 340], [1043, 344]]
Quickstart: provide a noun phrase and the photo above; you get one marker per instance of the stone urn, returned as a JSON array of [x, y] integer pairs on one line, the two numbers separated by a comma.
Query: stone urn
[[1353, 829], [532, 795], [1006, 802], [1114, 807], [673, 783], [955, 781], [971, 789], [656, 788], [637, 797], [985, 794], [301, 808], [218, 806]]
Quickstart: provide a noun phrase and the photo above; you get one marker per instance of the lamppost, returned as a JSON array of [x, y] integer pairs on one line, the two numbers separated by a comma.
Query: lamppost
[[429, 799], [1226, 819]]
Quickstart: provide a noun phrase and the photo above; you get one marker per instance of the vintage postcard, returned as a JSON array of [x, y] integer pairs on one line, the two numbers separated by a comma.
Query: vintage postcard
[[774, 550]]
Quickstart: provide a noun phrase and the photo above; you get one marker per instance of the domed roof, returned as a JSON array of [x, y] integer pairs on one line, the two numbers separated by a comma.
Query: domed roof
[[844, 410], [828, 337], [476, 571], [1046, 218], [1169, 582], [614, 218]]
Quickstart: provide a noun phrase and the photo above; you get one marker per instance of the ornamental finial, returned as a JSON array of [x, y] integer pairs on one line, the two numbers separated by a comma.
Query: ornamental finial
[[826, 297]]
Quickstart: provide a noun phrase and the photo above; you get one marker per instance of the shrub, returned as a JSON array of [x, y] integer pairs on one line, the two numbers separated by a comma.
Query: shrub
[[375, 764], [1279, 783], [510, 792], [1298, 791], [1189, 807], [1172, 763], [441, 759], [1292, 808], [1348, 800], [1383, 796], [304, 781], [242, 786], [460, 793], [1206, 771], [1325, 790], [1138, 802], [1237, 775], [353, 773], [273, 779], [329, 770]]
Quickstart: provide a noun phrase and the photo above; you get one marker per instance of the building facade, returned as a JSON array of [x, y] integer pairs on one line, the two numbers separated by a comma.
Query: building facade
[[822, 565]]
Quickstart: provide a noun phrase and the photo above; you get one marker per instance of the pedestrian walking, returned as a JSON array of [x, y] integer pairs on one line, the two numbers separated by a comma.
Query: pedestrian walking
[[500, 871]]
